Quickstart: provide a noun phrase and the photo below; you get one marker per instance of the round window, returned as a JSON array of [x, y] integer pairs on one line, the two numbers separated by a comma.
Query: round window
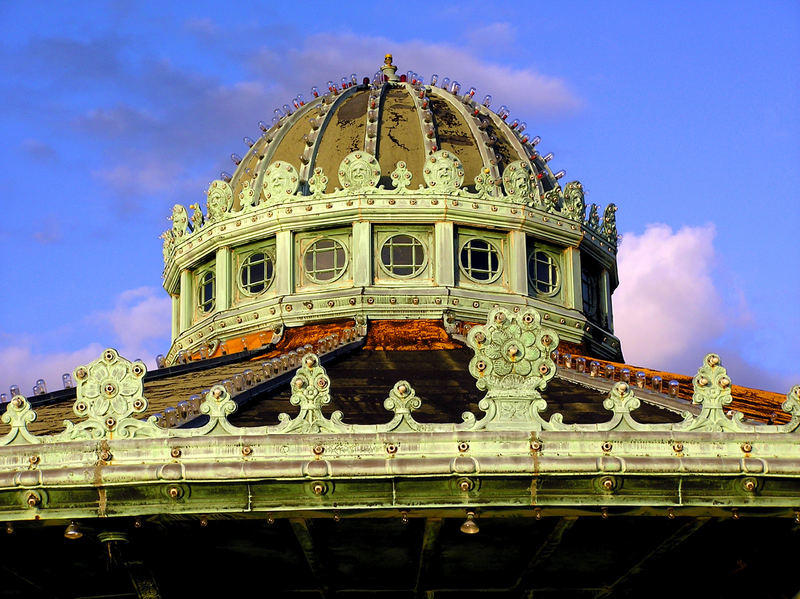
[[325, 261], [542, 272], [207, 292], [256, 273], [480, 260], [403, 256]]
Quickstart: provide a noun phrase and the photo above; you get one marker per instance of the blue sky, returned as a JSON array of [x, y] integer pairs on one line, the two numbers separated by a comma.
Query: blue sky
[[683, 114]]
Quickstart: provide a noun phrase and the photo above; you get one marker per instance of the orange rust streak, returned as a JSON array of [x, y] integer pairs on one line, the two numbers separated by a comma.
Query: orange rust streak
[[308, 334], [409, 335]]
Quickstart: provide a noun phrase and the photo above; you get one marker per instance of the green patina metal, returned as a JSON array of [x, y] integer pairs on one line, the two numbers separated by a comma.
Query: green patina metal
[[267, 198], [110, 463]]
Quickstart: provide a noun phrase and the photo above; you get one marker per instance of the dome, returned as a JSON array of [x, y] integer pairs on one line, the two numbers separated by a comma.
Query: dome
[[389, 199], [395, 121]]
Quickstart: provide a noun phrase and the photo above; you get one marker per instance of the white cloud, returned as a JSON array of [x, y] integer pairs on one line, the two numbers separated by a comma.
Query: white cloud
[[138, 326], [329, 56], [666, 309], [668, 312]]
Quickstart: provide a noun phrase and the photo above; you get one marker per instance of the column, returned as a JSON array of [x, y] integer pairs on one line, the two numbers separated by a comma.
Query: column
[[224, 280], [571, 281], [444, 241], [362, 254], [284, 263], [176, 315], [517, 263], [605, 299], [186, 301]]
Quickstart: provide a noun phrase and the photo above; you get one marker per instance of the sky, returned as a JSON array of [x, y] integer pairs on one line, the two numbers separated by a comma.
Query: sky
[[684, 114]]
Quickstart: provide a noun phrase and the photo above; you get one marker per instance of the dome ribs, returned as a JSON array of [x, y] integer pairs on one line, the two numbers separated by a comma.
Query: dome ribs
[[400, 137], [374, 114], [459, 133], [328, 160]]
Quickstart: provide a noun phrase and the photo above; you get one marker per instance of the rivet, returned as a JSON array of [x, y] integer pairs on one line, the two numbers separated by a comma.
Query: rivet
[[463, 446], [537, 513], [318, 450], [404, 516], [137, 523], [606, 446], [352, 301], [747, 448], [105, 455], [247, 450], [203, 521], [34, 459], [608, 484], [465, 485], [318, 488], [749, 485], [110, 422], [174, 492], [391, 449], [331, 303], [536, 445], [735, 513], [175, 452], [604, 513], [370, 300], [677, 447], [33, 500], [670, 513]]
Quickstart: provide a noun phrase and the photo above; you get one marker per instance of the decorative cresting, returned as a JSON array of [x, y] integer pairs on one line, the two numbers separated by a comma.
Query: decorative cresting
[[520, 183], [574, 206], [109, 393], [512, 363], [310, 390], [359, 171], [219, 200], [712, 390], [280, 182], [401, 177], [443, 172]]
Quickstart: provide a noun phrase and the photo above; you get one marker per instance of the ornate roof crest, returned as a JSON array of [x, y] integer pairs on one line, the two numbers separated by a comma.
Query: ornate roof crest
[[443, 172], [359, 171]]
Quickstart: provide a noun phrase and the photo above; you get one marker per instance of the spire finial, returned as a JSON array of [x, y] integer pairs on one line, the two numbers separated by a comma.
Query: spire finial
[[388, 69]]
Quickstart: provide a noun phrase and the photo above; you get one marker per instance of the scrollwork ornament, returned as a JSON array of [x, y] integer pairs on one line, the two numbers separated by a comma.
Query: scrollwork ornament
[[402, 401], [610, 223], [359, 171], [712, 391], [318, 183], [519, 183], [401, 177], [484, 183], [19, 415], [792, 407], [280, 182], [247, 196], [197, 217], [310, 391], [219, 199], [180, 221], [443, 172], [574, 203], [593, 220], [551, 200]]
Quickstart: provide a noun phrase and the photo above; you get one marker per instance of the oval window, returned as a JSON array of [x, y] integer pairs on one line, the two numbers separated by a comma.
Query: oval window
[[256, 273], [403, 256], [480, 260], [542, 272], [207, 292], [325, 261]]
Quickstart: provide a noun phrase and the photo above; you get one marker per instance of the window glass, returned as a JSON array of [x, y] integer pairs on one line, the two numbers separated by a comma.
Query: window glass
[[207, 292], [403, 255], [257, 272], [480, 260], [325, 260], [542, 272]]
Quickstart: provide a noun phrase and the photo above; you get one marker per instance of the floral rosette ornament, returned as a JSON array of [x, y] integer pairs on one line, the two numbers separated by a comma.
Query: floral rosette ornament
[[512, 354], [109, 394]]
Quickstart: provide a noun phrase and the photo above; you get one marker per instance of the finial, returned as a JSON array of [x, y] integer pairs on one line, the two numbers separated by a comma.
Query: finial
[[388, 69]]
